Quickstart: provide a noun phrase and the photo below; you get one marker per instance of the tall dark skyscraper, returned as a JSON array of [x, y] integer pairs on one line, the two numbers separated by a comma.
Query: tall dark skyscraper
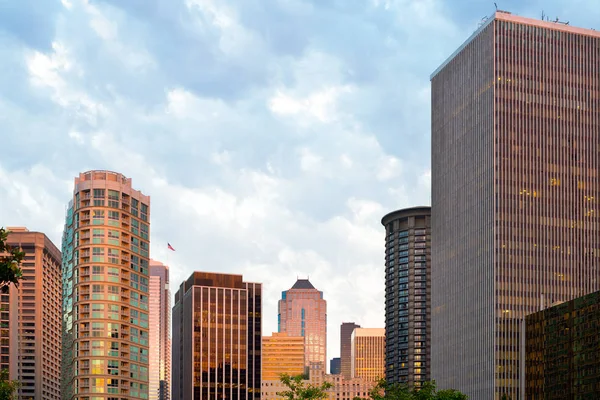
[[346, 330], [217, 338], [407, 295], [515, 189]]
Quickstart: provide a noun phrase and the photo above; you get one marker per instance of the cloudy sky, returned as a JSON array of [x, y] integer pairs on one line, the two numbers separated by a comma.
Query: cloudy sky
[[272, 135]]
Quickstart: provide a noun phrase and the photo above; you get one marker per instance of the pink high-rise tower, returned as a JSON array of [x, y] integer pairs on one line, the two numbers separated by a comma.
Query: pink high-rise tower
[[303, 312]]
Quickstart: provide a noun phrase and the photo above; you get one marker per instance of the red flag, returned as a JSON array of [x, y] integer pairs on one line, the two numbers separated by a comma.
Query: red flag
[[170, 247]]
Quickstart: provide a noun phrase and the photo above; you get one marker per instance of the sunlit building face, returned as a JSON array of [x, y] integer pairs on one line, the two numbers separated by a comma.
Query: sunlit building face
[[303, 312], [217, 338], [515, 190], [105, 267]]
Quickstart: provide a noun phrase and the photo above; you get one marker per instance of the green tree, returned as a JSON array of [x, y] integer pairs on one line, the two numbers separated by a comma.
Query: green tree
[[298, 389], [428, 391], [10, 260], [7, 387]]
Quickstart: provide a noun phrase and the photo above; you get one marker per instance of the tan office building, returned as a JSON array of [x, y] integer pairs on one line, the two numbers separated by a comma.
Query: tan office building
[[368, 354], [31, 317], [282, 354], [106, 244]]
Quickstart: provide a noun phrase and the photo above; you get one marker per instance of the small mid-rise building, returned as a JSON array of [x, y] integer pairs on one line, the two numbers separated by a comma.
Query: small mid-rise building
[[342, 389], [335, 367], [562, 360], [368, 354], [282, 354], [31, 318]]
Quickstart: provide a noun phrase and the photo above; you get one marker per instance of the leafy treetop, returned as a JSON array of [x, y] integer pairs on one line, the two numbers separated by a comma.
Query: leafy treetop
[[299, 390], [10, 260], [428, 391]]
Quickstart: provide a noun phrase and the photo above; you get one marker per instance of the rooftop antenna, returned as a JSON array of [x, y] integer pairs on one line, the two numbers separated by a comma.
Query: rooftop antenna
[[496, 5], [543, 16]]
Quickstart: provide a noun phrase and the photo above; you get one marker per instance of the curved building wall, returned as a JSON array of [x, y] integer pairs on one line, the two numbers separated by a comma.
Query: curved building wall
[[105, 287], [408, 295]]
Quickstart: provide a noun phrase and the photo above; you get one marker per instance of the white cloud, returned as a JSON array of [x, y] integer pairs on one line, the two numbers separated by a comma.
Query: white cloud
[[309, 161], [320, 105], [390, 167]]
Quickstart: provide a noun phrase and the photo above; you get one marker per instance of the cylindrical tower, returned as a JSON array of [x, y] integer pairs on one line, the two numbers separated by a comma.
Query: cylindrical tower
[[408, 295], [106, 245]]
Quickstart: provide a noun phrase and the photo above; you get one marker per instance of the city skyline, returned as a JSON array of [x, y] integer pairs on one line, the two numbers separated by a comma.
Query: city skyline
[[278, 127]]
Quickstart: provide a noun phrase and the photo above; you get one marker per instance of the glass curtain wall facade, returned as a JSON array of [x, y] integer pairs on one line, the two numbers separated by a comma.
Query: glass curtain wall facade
[[160, 332], [562, 357], [30, 319], [408, 295], [515, 186], [368, 354], [303, 312], [282, 354], [217, 338], [105, 289]]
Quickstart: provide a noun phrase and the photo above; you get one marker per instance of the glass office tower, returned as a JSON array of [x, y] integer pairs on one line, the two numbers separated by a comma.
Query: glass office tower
[[515, 189], [217, 338]]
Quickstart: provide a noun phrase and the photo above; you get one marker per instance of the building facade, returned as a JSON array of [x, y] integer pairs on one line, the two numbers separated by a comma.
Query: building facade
[[159, 380], [31, 317], [282, 354], [368, 354], [408, 296], [335, 366], [342, 388], [105, 267], [217, 338], [515, 185], [346, 330], [303, 312], [562, 360]]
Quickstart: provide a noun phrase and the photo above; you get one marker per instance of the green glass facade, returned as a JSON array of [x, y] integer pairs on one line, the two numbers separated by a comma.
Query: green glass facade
[[563, 351]]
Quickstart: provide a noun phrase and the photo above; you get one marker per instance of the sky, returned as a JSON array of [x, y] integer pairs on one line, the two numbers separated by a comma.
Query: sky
[[271, 135]]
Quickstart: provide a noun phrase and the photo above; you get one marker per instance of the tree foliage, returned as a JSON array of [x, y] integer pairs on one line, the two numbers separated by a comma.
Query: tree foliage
[[298, 389], [428, 391], [10, 261], [7, 387]]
